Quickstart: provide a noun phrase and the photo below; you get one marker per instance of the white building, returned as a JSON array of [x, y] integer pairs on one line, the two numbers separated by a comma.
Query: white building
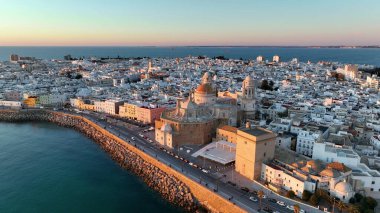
[[260, 58], [11, 104], [109, 106], [307, 137], [276, 59], [375, 141], [329, 152]]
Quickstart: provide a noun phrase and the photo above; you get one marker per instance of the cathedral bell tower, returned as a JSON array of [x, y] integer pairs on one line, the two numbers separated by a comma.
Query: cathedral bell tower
[[247, 101]]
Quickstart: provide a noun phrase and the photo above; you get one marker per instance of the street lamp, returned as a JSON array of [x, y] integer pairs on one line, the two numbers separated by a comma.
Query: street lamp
[[333, 210]]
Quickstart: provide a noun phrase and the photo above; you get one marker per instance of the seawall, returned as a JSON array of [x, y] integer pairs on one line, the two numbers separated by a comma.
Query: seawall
[[171, 184]]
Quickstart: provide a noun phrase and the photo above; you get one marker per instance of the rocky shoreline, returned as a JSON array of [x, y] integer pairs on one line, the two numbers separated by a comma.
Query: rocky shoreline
[[170, 187]]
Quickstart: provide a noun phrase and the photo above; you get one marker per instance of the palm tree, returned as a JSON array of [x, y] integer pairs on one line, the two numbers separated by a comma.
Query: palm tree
[[341, 205], [260, 194], [297, 208]]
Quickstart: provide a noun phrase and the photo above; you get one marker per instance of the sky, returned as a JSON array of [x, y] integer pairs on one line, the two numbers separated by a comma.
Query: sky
[[189, 22]]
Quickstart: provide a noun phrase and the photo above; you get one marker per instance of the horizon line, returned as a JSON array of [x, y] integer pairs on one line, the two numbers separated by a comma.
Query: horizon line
[[173, 46]]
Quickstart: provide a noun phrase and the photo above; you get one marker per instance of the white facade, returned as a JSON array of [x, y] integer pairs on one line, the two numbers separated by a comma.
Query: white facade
[[276, 59], [284, 141], [287, 181], [305, 142], [329, 152], [13, 104], [110, 106], [375, 141]]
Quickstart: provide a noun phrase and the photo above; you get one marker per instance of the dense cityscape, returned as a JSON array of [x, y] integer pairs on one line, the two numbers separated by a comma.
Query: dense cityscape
[[279, 136]]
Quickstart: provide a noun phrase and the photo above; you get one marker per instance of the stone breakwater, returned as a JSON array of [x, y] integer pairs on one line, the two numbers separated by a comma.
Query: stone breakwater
[[170, 187]]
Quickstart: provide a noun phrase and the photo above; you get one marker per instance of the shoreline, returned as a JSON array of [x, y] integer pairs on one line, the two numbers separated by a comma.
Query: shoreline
[[169, 187], [173, 186]]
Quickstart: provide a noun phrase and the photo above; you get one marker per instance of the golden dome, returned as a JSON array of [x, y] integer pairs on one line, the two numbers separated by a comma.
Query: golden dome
[[205, 88]]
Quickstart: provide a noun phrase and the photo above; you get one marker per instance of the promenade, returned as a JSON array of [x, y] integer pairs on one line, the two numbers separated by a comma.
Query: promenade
[[127, 158]]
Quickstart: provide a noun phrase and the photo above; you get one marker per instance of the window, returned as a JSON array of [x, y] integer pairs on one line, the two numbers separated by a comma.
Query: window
[[265, 154], [371, 189], [373, 182]]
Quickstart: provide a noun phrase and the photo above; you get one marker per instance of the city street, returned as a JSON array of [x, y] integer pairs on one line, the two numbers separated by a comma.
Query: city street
[[233, 193]]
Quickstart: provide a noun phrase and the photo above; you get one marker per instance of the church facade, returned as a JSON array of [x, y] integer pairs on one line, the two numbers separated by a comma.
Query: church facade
[[194, 120]]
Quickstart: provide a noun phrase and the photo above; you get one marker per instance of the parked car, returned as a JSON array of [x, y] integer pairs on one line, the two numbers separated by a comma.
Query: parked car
[[253, 199], [267, 209], [229, 182], [290, 207], [272, 200], [244, 189]]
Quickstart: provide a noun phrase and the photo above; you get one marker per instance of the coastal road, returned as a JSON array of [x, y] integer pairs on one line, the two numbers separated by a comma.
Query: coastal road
[[236, 195]]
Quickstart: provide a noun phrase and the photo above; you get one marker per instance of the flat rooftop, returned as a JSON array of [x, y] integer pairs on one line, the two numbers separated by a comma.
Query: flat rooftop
[[222, 152], [255, 131]]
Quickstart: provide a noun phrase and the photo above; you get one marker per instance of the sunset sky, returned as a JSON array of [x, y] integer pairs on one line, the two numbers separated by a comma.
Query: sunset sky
[[189, 22]]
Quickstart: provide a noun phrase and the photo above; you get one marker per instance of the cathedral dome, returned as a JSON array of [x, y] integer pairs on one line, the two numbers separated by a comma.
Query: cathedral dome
[[343, 187], [188, 104], [205, 88]]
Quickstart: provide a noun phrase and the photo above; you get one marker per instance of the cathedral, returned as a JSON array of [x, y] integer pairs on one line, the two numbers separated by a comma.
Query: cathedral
[[195, 119]]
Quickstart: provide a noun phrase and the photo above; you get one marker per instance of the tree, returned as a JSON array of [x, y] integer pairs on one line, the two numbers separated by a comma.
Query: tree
[[297, 208], [290, 194], [79, 76], [306, 195], [314, 199], [358, 197], [341, 205], [352, 200], [369, 202], [265, 85], [354, 209], [260, 194]]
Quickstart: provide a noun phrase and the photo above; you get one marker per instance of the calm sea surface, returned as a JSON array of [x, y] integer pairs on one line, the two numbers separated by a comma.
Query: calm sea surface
[[355, 56], [46, 168]]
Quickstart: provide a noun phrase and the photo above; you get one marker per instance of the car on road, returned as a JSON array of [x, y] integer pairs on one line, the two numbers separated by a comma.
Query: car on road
[[290, 207], [272, 200], [244, 189], [264, 197], [205, 171], [267, 209], [133, 138], [302, 211], [253, 199], [281, 203], [233, 184]]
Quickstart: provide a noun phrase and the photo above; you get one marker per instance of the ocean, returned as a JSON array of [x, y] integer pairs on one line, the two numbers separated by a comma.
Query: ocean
[[355, 56], [47, 168]]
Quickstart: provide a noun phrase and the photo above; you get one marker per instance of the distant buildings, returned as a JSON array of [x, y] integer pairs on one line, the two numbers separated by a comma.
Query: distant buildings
[[276, 59], [260, 59]]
